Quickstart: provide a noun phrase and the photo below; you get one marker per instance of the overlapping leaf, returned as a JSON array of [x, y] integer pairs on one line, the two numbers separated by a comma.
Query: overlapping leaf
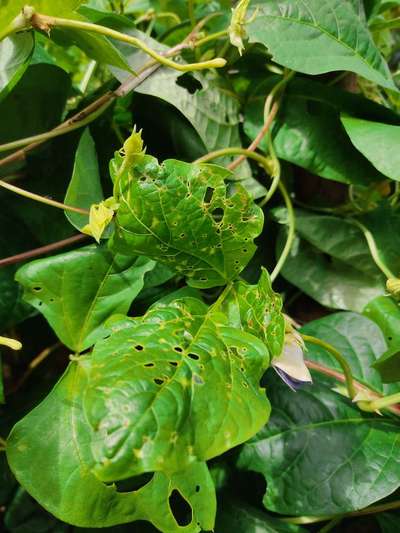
[[182, 215], [70, 490], [15, 53], [77, 291], [321, 455], [319, 37], [155, 380]]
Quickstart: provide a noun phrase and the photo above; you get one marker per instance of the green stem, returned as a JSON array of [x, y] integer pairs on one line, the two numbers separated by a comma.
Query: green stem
[[191, 14], [212, 37], [339, 358], [381, 403], [235, 151], [88, 74], [291, 233], [56, 132], [42, 199], [374, 250], [303, 520], [330, 525], [45, 23]]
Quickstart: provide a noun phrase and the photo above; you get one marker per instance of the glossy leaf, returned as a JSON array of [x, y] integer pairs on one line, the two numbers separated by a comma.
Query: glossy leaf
[[328, 36], [358, 339], [180, 214], [59, 8], [70, 490], [334, 260], [241, 518], [85, 186], [308, 120], [171, 370], [15, 54], [321, 455], [377, 142], [77, 291], [385, 312]]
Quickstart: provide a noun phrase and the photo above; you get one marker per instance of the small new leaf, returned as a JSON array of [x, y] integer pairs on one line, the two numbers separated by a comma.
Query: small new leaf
[[100, 217], [237, 31]]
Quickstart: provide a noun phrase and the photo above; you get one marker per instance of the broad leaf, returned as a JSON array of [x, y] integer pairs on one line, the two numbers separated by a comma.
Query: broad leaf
[[308, 120], [334, 260], [71, 492], [358, 339], [317, 452], [386, 313], [169, 371], [241, 518], [85, 186], [378, 142], [15, 54], [319, 37], [59, 8], [181, 214], [77, 291]]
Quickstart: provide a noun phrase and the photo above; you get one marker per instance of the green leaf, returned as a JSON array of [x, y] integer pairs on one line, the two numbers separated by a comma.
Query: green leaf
[[308, 120], [328, 36], [15, 54], [77, 291], [85, 188], [257, 309], [321, 455], [378, 142], [181, 214], [59, 8], [155, 380], [385, 312], [242, 518], [388, 522], [334, 260], [357, 338], [71, 492]]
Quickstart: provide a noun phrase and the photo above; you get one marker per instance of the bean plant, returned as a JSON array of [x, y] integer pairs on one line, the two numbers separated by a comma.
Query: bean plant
[[200, 259]]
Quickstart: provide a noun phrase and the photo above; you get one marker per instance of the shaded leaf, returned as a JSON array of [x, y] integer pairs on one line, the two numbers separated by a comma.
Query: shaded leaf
[[172, 369], [357, 338], [180, 214], [77, 291], [378, 142], [321, 455], [85, 187], [15, 54], [329, 36], [70, 490]]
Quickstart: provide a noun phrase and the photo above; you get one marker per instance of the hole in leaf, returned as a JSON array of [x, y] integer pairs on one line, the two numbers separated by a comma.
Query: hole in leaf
[[182, 235], [189, 82], [180, 508], [208, 195], [37, 289], [173, 363], [158, 381], [194, 356], [149, 365], [217, 214], [197, 488], [40, 303], [133, 483], [178, 349], [139, 347]]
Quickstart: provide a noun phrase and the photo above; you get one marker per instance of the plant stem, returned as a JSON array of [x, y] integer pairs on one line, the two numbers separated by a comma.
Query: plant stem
[[303, 520], [212, 37], [381, 403], [42, 199], [374, 250], [291, 233], [13, 259], [339, 358], [45, 23], [386, 25], [234, 151], [88, 74]]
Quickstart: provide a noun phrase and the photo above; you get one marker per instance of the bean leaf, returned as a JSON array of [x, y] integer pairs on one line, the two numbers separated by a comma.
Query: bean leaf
[[77, 291], [182, 215], [328, 36], [178, 365], [317, 450], [15, 54]]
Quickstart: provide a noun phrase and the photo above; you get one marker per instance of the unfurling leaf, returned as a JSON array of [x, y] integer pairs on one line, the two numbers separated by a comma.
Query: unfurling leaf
[[184, 216], [237, 30], [99, 218]]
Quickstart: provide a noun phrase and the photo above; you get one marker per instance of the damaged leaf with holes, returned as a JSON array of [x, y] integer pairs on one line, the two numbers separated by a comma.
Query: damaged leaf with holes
[[185, 216], [155, 380]]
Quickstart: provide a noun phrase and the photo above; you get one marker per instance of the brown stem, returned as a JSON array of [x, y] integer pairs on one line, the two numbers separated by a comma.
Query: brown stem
[[42, 250], [340, 377], [260, 136]]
